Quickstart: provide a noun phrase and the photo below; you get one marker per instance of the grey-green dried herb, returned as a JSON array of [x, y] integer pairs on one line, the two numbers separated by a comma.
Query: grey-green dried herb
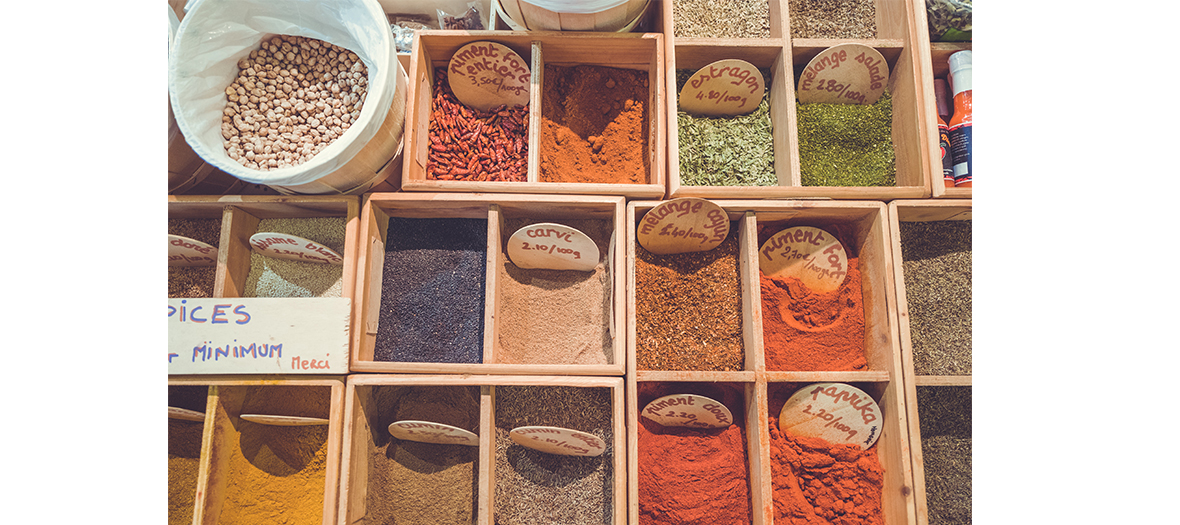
[[721, 18], [847, 144], [945, 422], [726, 151], [833, 18], [948, 20], [936, 264]]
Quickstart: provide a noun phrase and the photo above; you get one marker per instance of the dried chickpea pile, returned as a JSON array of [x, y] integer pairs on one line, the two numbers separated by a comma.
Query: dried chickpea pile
[[293, 97]]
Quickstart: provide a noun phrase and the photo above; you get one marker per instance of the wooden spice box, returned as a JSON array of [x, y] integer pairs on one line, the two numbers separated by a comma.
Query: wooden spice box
[[364, 425], [882, 380], [496, 209], [896, 43], [240, 216], [919, 211], [229, 444], [932, 64], [637, 51]]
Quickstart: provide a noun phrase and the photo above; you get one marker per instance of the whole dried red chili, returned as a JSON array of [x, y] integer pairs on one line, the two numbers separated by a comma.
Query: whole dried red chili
[[467, 144]]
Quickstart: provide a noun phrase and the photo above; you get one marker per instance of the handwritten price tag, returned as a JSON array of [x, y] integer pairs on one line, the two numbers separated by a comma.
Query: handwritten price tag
[[683, 226], [290, 247], [552, 246], [484, 75], [722, 89], [844, 74], [284, 421], [688, 410], [183, 251], [557, 440], [811, 255], [836, 412], [428, 432]]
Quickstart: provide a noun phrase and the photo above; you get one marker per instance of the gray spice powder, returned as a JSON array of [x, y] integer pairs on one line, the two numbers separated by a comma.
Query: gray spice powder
[[945, 421], [936, 264], [721, 18], [534, 487], [833, 18], [270, 277]]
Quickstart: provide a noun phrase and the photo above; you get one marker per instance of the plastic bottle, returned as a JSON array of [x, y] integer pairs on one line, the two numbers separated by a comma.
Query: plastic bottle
[[944, 141], [960, 124]]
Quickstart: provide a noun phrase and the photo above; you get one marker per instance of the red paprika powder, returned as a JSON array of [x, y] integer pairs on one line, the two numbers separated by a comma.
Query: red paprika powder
[[804, 330], [692, 476], [820, 483]]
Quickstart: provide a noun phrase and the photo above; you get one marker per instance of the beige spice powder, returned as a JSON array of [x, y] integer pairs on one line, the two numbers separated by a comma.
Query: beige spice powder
[[556, 316]]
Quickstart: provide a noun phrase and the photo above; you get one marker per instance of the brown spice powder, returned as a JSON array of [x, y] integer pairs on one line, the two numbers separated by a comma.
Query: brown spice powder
[[276, 474], [688, 309], [594, 125], [411, 482], [184, 452], [556, 316], [193, 281]]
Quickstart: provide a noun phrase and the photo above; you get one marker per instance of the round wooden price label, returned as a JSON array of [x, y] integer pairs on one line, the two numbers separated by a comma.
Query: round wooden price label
[[722, 89], [552, 246], [185, 414], [844, 74], [183, 251], [557, 440], [290, 247], [284, 421], [688, 410], [836, 412], [484, 75], [428, 432], [683, 226], [811, 255]]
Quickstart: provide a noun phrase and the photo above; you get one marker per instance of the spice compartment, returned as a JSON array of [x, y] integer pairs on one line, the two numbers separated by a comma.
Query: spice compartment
[[184, 449], [892, 446], [928, 211], [366, 417], [626, 51], [775, 18], [716, 450], [255, 473], [405, 284], [933, 58]]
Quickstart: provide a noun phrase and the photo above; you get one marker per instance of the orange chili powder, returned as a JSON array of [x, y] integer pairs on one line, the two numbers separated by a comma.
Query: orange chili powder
[[803, 330], [820, 483], [594, 125]]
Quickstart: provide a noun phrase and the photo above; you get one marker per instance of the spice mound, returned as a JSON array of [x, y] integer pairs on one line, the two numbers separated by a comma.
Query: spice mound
[[594, 125], [467, 144], [688, 309], [833, 18], [817, 482], [805, 330], [689, 476], [728, 19], [294, 96], [193, 281], [272, 277], [936, 263], [847, 144]]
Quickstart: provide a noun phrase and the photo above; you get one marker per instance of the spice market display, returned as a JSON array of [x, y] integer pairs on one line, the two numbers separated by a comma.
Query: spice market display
[[712, 268]]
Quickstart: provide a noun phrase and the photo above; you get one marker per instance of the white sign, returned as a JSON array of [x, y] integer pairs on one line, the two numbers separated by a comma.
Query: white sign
[[812, 255], [682, 226], [688, 410], [429, 432], [722, 89], [183, 251], [283, 246], [556, 440], [284, 421], [258, 335], [185, 414], [485, 75], [552, 246], [836, 412]]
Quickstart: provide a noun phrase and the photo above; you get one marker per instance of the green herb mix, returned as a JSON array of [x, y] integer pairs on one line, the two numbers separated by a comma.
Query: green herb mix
[[847, 144]]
